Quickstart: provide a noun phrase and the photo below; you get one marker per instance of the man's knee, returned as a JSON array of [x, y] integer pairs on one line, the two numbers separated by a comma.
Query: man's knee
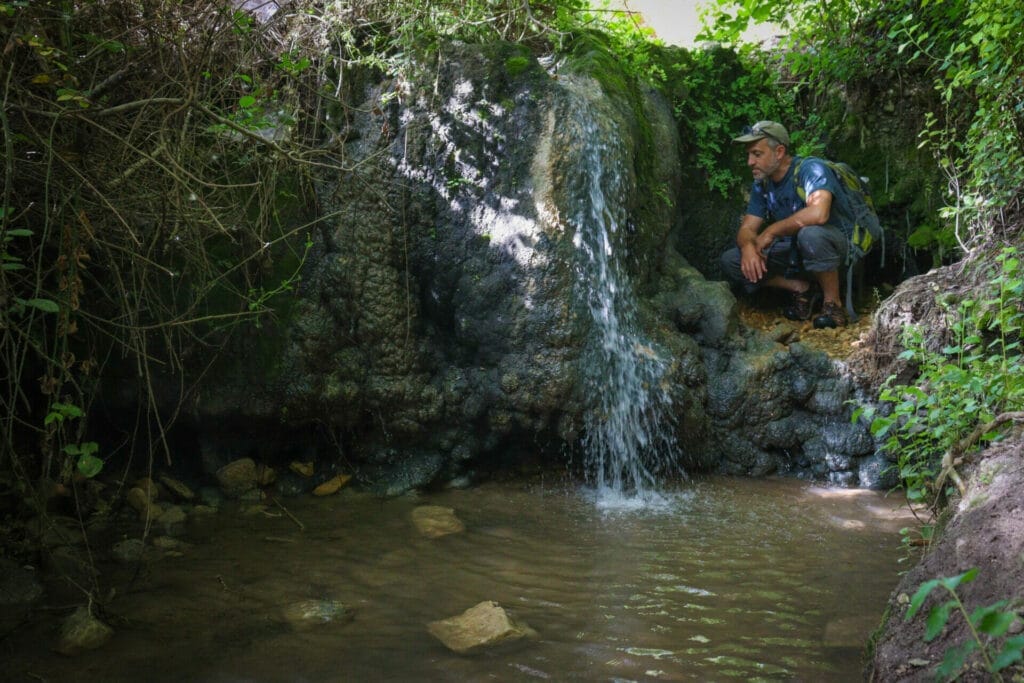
[[822, 247]]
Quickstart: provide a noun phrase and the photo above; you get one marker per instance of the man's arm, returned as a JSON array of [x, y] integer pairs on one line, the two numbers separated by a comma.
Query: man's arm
[[816, 212], [753, 263]]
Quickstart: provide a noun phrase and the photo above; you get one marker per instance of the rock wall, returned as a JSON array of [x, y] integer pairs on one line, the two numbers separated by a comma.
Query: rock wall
[[442, 323]]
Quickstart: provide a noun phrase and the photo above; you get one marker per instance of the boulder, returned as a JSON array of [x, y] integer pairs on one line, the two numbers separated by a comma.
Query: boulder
[[238, 477]]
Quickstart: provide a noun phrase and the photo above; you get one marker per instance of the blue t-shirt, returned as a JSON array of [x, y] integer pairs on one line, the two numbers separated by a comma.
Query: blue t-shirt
[[775, 201]]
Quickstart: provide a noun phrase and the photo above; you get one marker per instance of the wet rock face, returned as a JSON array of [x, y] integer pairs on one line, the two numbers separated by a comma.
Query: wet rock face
[[442, 310], [443, 321]]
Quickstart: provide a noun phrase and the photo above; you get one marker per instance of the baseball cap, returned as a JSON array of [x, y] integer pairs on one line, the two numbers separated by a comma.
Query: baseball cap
[[762, 129]]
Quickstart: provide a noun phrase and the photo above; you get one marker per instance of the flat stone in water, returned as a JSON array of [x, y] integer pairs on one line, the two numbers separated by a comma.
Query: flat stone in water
[[82, 631], [435, 521], [481, 626], [308, 613]]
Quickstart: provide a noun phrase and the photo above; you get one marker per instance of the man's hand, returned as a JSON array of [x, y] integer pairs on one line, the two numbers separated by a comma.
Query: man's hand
[[764, 241], [753, 262]]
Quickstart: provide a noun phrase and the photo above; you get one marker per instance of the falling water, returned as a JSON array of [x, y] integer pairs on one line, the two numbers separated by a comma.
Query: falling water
[[629, 424]]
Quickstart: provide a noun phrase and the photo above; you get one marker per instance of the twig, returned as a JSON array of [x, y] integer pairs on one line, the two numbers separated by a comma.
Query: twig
[[302, 527]]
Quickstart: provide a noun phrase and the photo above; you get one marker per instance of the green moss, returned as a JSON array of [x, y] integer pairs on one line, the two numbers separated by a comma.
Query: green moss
[[516, 65]]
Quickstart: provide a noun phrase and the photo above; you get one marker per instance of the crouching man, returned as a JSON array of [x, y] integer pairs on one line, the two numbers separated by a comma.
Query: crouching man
[[785, 241]]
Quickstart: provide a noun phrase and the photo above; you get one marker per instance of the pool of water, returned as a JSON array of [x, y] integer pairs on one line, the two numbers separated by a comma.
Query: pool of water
[[727, 579]]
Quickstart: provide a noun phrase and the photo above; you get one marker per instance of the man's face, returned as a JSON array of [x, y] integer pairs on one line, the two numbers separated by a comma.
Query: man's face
[[763, 159]]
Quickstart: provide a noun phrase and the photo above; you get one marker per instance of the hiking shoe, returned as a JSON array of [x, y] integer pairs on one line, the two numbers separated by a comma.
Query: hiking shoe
[[802, 304], [832, 315]]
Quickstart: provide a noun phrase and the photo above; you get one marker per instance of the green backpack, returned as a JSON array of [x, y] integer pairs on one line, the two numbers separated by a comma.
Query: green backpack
[[866, 228]]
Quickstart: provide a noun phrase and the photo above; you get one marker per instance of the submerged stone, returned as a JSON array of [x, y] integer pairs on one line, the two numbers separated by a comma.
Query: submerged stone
[[482, 626], [435, 521], [308, 613], [82, 631]]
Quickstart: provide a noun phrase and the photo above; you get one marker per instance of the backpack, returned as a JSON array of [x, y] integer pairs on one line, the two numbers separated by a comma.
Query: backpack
[[866, 229]]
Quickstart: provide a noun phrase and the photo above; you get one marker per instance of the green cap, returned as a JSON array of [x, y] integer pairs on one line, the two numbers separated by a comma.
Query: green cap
[[763, 129]]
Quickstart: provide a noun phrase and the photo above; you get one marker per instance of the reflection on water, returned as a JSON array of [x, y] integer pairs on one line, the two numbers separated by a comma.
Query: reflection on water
[[730, 580]]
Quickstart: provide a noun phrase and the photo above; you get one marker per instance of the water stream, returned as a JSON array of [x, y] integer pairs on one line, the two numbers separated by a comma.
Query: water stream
[[732, 579], [629, 425]]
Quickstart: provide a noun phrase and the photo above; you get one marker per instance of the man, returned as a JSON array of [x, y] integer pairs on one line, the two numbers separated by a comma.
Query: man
[[787, 242]]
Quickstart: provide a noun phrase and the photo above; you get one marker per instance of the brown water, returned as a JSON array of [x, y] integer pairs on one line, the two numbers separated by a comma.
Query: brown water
[[731, 579]]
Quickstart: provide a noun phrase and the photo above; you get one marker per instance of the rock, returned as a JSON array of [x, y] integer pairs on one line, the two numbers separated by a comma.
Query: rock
[[481, 626], [169, 543], [266, 475], [171, 516], [307, 613], [211, 496], [434, 521], [19, 588], [177, 488], [292, 484], [237, 477], [394, 473], [785, 333], [203, 510], [141, 501], [130, 550], [149, 487], [332, 485], [82, 631], [304, 469]]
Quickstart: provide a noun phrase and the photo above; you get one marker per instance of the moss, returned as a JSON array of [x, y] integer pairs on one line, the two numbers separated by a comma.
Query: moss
[[516, 65]]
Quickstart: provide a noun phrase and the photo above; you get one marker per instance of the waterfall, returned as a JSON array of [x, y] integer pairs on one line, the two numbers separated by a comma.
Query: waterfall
[[629, 424]]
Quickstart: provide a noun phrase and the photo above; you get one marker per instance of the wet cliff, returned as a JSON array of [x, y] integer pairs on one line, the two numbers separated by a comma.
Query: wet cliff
[[494, 281]]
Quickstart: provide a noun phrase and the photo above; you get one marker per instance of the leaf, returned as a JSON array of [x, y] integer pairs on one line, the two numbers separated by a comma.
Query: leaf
[[1010, 653], [19, 232], [919, 597], [45, 305], [246, 101], [89, 465], [951, 582], [937, 619], [954, 660], [41, 79], [992, 620]]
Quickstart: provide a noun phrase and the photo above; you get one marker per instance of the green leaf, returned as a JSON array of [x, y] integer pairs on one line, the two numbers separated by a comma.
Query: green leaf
[[919, 597], [991, 620], [1010, 653], [89, 465], [951, 582], [246, 101], [45, 305], [954, 660], [19, 232], [937, 619]]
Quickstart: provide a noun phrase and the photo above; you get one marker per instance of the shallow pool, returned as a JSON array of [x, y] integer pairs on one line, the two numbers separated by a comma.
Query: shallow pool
[[729, 579]]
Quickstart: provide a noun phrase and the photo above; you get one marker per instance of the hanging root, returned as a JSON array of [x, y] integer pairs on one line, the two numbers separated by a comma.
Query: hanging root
[[954, 456]]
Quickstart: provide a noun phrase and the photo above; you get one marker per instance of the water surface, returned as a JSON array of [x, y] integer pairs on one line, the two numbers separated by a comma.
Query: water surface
[[731, 579]]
